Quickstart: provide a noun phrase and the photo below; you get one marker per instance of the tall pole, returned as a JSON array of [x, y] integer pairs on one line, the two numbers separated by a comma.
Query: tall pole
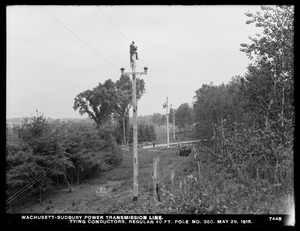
[[135, 135], [174, 136], [124, 131], [168, 140], [135, 130]]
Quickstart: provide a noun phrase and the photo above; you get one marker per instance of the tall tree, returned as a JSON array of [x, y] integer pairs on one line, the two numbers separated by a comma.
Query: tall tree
[[273, 51], [124, 102], [99, 103], [37, 151], [156, 118]]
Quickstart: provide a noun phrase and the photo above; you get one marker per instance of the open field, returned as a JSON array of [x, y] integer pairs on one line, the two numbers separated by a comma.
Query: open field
[[116, 196], [111, 192]]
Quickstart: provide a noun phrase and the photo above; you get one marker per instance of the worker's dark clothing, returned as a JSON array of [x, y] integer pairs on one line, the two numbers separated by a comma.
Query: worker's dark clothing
[[133, 49]]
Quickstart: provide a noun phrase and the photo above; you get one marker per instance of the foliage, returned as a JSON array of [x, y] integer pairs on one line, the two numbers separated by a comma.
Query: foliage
[[184, 115], [98, 103], [108, 100], [250, 122], [36, 151], [219, 188], [156, 119], [71, 149], [146, 133], [274, 63]]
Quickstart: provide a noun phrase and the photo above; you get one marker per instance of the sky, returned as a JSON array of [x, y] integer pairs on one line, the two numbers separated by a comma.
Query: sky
[[56, 52]]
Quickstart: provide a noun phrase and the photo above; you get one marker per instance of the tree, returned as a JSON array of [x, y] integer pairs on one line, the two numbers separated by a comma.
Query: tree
[[109, 100], [163, 119], [99, 103], [156, 118], [183, 115], [273, 51], [124, 102], [171, 115], [38, 150]]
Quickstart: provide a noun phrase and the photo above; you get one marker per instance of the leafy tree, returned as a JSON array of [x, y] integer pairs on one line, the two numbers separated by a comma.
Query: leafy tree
[[171, 111], [38, 150], [163, 119], [184, 115], [99, 103], [89, 148], [273, 51], [124, 103], [109, 100], [156, 118]]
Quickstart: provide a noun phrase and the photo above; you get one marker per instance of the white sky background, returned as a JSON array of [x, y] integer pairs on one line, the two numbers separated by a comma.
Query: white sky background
[[183, 47]]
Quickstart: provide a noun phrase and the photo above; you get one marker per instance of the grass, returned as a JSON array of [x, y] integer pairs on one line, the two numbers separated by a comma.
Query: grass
[[120, 179], [214, 190]]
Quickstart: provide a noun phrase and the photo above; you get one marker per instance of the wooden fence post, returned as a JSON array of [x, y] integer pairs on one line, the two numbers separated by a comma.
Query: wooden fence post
[[172, 178], [156, 178]]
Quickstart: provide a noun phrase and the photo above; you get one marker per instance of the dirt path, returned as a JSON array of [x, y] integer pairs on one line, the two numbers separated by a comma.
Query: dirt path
[[171, 143], [111, 191]]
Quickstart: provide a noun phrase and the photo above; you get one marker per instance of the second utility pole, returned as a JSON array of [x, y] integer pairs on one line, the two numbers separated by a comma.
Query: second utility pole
[[174, 136], [168, 139]]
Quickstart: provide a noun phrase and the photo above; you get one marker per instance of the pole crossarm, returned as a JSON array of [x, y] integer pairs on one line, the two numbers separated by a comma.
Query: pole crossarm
[[135, 73]]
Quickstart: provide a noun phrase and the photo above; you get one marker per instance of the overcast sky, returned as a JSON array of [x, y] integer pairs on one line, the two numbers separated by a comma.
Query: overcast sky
[[57, 52]]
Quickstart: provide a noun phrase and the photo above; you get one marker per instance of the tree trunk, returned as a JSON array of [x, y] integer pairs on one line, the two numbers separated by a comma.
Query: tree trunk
[[65, 176], [282, 107], [77, 176]]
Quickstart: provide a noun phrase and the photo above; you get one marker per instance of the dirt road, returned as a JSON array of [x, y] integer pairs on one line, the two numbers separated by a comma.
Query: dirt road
[[162, 145]]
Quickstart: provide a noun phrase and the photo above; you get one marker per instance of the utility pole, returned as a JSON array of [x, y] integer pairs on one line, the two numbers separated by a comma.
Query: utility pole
[[133, 58], [165, 105], [174, 136], [124, 133]]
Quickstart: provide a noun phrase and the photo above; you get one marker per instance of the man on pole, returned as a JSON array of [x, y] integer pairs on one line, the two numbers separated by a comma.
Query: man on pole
[[133, 50]]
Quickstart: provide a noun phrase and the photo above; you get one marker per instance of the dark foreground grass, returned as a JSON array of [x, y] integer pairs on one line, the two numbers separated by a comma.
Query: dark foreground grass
[[212, 190]]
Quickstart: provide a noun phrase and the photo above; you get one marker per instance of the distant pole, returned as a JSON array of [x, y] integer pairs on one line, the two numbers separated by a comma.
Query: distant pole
[[135, 131], [174, 136], [124, 133], [168, 140]]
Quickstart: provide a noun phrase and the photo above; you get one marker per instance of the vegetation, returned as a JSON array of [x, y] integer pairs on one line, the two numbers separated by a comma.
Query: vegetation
[[146, 133], [42, 154], [244, 163], [248, 162]]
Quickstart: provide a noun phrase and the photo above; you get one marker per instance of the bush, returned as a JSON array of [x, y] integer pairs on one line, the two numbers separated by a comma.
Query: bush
[[222, 187], [62, 152]]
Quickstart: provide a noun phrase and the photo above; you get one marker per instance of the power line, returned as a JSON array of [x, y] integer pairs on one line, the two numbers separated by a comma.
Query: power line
[[114, 24], [79, 38], [43, 175], [152, 83], [126, 52], [117, 29]]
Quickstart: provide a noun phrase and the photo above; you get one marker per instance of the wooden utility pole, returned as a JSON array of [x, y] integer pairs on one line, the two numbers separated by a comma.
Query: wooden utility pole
[[156, 177], [168, 139], [124, 131], [135, 131], [174, 136]]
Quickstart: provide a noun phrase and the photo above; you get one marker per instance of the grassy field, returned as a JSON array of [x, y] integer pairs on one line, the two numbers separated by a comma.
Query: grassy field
[[209, 190], [118, 184], [200, 186]]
